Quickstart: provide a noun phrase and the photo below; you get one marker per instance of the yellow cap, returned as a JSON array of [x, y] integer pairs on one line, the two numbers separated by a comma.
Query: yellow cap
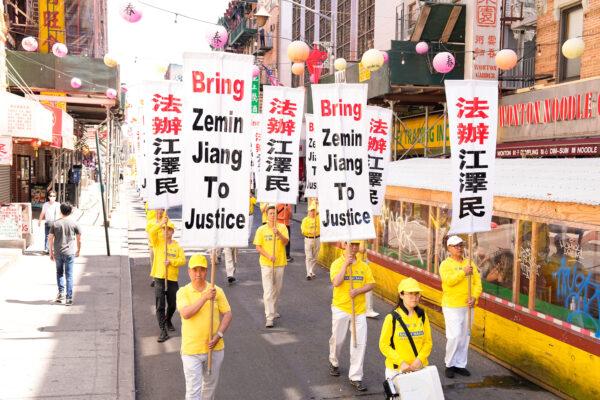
[[409, 285], [170, 225], [198, 260], [312, 207]]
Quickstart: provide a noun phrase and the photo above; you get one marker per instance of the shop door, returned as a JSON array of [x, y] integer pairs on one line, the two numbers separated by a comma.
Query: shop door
[[23, 178]]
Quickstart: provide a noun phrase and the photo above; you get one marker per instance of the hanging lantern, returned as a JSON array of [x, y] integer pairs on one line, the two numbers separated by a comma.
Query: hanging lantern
[[131, 12], [298, 69], [386, 56], [36, 143], [29, 43], [75, 83], [110, 61], [111, 93], [255, 71], [59, 49], [443, 62], [372, 60], [573, 48], [422, 48], [123, 88], [217, 36], [298, 51], [506, 59], [340, 64]]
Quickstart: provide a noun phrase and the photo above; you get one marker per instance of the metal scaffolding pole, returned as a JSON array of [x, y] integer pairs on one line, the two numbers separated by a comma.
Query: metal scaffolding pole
[[99, 160]]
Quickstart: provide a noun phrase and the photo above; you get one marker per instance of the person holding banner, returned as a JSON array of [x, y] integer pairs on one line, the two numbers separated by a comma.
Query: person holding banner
[[193, 303], [270, 241], [284, 216], [168, 257], [455, 272], [351, 279], [311, 229], [153, 217], [263, 212]]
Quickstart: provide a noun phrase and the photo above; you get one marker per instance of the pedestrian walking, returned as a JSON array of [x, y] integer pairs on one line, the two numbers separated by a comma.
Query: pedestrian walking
[[311, 230], [168, 257], [284, 216], [50, 213], [351, 279], [270, 241], [455, 272], [229, 264], [194, 305], [64, 242]]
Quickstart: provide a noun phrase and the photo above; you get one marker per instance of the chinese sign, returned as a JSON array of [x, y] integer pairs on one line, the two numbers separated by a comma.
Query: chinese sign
[[380, 123], [163, 114], [486, 38], [411, 132], [6, 152], [24, 118], [11, 222], [473, 116], [255, 95], [341, 132], [255, 145], [51, 23], [281, 126], [311, 158], [217, 90]]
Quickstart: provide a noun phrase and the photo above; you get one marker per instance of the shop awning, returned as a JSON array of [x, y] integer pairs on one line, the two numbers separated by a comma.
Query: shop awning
[[24, 118]]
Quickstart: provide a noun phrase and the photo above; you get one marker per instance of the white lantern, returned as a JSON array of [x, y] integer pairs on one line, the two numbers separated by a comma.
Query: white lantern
[[506, 59], [372, 60], [298, 51], [573, 48], [110, 61], [298, 69], [340, 64]]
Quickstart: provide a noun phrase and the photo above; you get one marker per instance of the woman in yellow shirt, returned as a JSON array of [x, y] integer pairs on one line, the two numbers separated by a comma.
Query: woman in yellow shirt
[[394, 344]]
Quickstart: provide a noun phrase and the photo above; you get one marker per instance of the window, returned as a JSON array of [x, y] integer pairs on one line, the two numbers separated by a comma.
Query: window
[[343, 29], [571, 26], [324, 23], [309, 18], [366, 25]]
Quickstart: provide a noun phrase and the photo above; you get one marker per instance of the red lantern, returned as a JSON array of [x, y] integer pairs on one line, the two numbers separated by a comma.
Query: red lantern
[[314, 63]]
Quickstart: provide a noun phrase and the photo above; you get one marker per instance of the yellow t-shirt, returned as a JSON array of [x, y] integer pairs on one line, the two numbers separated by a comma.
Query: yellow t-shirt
[[175, 255], [421, 335], [252, 204], [454, 283], [264, 238], [311, 227], [263, 211], [195, 333], [361, 276]]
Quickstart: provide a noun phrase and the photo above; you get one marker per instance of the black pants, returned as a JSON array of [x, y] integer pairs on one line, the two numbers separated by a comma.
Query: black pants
[[289, 243], [159, 293]]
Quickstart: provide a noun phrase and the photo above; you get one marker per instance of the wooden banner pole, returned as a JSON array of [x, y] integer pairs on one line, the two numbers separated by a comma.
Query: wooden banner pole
[[469, 280], [212, 305], [353, 317]]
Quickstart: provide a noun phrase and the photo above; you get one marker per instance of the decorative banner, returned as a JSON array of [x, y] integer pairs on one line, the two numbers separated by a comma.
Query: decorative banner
[[162, 108], [342, 175], [68, 138], [217, 91], [311, 158], [380, 124], [51, 23], [473, 116], [485, 37], [6, 150], [282, 112], [255, 95], [255, 145]]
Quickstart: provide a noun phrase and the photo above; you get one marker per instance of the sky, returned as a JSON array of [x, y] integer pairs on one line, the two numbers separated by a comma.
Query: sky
[[145, 47]]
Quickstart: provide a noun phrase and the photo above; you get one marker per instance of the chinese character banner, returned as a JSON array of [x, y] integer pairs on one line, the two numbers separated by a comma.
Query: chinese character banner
[[473, 121], [6, 151], [217, 92], [380, 131], [311, 158], [255, 145], [163, 116], [341, 133]]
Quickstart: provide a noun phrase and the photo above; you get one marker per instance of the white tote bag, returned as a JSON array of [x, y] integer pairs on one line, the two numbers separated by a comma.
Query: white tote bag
[[423, 384]]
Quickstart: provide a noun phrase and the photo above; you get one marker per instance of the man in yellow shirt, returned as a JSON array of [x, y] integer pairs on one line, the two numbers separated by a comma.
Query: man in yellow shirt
[[344, 270], [270, 241], [168, 257], [311, 229], [193, 303], [454, 272], [153, 217]]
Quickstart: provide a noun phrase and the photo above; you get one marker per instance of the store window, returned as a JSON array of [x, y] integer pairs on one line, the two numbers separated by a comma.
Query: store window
[[571, 26]]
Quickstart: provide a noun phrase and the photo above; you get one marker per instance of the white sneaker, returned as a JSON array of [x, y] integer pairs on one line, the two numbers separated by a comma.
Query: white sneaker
[[372, 314]]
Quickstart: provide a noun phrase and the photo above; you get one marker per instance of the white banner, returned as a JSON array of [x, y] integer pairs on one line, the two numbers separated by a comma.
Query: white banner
[[311, 158], [343, 172], [217, 90], [380, 133], [255, 145], [282, 111], [473, 121], [24, 118], [6, 150], [163, 128]]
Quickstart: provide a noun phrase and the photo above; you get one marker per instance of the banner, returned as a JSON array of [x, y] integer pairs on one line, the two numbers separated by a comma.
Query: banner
[[380, 124], [255, 145], [162, 115], [311, 158], [473, 117], [342, 174], [217, 91], [6, 150], [282, 111]]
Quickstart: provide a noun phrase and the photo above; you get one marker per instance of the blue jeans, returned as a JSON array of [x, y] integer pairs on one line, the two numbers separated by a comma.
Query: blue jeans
[[64, 266], [46, 232]]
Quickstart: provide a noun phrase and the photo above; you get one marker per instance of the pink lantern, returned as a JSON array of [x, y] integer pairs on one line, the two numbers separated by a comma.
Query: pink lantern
[[123, 89], [422, 48], [59, 49], [217, 37], [29, 43], [298, 69], [506, 59], [75, 83], [130, 12], [443, 62], [386, 56], [255, 71], [111, 93]]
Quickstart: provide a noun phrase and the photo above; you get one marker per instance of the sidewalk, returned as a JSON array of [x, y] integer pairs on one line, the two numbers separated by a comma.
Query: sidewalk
[[85, 351]]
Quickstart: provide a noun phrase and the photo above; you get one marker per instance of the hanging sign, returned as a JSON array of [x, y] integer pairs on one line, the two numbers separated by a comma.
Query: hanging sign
[[473, 120], [163, 111], [380, 123], [255, 145], [311, 157], [341, 130], [217, 90], [282, 112], [6, 150]]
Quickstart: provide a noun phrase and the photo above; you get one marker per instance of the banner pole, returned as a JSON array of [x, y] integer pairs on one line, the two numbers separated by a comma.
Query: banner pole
[[469, 278], [353, 317], [166, 267], [314, 242], [274, 243], [212, 305]]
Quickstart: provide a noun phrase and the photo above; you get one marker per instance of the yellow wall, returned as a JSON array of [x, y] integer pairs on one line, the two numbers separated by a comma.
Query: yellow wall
[[566, 368]]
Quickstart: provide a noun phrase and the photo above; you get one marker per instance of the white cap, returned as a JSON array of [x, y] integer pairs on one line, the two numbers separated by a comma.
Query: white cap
[[454, 240]]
